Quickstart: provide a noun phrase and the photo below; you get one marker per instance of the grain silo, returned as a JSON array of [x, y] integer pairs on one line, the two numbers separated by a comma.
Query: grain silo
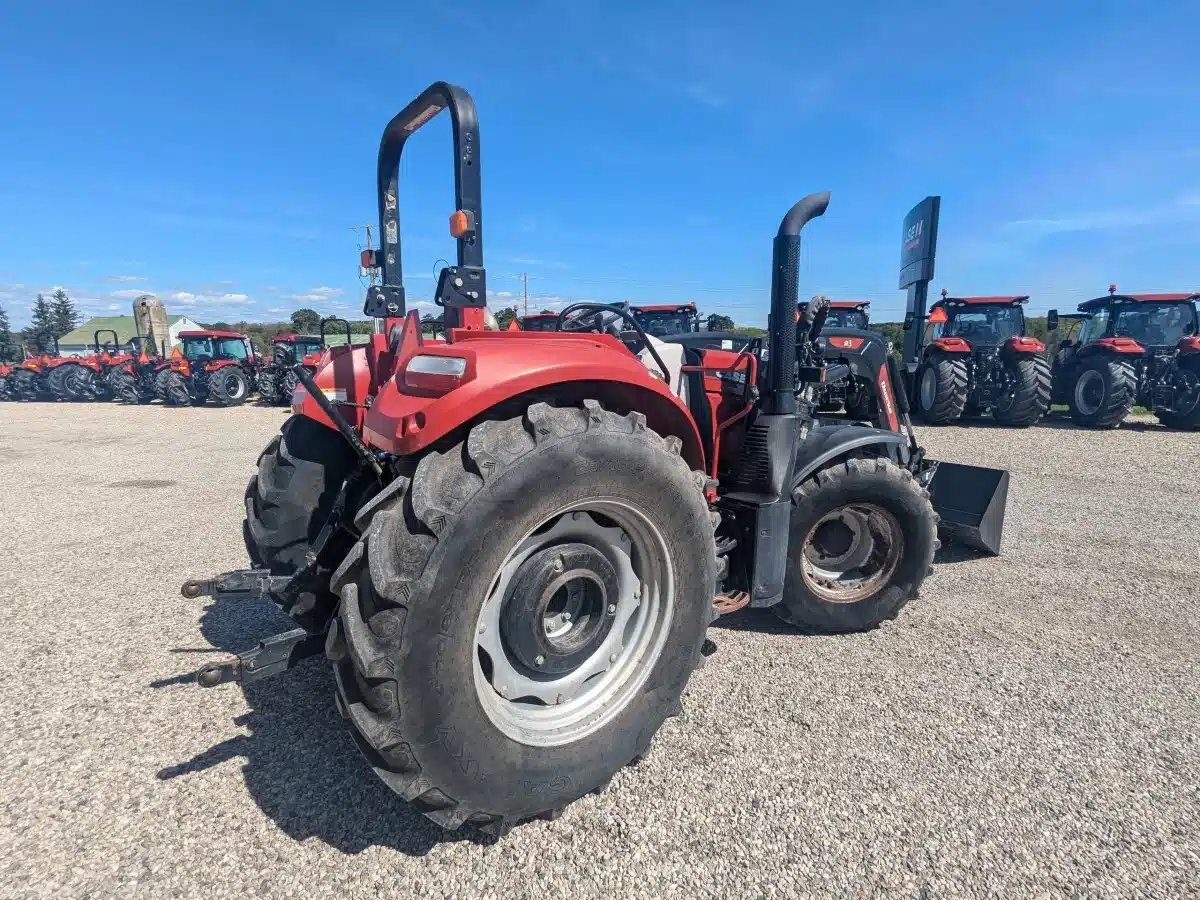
[[151, 318]]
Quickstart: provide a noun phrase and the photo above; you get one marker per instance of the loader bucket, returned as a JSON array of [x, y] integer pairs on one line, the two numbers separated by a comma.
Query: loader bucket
[[971, 502]]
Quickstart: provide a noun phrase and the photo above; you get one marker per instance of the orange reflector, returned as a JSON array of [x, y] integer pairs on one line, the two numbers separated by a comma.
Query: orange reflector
[[460, 223], [938, 315]]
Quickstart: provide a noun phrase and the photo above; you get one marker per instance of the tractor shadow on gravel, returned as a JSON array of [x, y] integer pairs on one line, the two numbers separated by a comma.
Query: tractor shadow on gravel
[[300, 765]]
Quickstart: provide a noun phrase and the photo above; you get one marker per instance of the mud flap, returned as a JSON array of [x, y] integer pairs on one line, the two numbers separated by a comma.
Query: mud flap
[[971, 501]]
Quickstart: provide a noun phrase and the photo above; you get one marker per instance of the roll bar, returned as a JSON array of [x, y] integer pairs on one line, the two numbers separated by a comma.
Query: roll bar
[[463, 285], [116, 341], [780, 394], [325, 321]]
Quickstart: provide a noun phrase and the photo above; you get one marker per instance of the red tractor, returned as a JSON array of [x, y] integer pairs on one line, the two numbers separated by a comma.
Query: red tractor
[[6, 371], [31, 379], [1127, 349], [83, 378], [856, 393], [977, 358], [215, 365], [276, 379], [133, 381], [543, 321], [510, 544], [663, 319]]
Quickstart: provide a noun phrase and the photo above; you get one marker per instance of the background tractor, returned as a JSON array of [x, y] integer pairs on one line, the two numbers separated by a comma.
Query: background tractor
[[977, 358], [661, 319], [545, 321], [6, 370], [1127, 349], [275, 378], [90, 377], [133, 381], [510, 544], [846, 328], [215, 365], [31, 379]]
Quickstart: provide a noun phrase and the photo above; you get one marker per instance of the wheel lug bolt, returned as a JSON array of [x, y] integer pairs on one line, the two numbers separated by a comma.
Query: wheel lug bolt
[[560, 698], [558, 565], [482, 629], [566, 617], [612, 657], [539, 660], [612, 609]]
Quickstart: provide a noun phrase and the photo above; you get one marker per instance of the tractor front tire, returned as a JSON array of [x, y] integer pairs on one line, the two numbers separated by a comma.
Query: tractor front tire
[[268, 388], [175, 389], [229, 386], [863, 535], [289, 500], [1030, 399], [942, 390], [467, 684], [1103, 393]]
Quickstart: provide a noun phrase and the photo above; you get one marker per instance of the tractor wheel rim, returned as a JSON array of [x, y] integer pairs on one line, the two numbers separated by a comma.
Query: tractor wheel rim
[[234, 386], [851, 552], [604, 611], [1089, 392], [928, 388]]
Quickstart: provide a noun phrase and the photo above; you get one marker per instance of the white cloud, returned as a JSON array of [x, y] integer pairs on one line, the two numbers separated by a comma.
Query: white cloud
[[128, 293], [126, 279], [327, 291], [187, 298]]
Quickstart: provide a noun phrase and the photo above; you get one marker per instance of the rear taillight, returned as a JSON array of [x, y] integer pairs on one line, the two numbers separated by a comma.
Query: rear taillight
[[435, 374]]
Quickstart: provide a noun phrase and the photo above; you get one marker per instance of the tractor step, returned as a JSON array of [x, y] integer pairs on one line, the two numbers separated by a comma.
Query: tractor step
[[273, 655], [240, 584]]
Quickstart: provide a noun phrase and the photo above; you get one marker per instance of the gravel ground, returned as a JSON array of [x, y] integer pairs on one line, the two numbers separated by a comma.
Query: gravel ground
[[1028, 728]]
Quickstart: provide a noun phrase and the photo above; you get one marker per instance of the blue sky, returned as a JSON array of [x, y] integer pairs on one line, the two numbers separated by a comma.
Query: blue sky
[[217, 154]]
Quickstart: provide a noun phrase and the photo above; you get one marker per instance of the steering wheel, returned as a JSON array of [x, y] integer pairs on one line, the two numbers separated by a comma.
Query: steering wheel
[[586, 317]]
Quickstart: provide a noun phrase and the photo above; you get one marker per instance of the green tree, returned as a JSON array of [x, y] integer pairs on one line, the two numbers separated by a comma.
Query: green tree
[[718, 322], [306, 321], [8, 345], [505, 316], [40, 334], [63, 313]]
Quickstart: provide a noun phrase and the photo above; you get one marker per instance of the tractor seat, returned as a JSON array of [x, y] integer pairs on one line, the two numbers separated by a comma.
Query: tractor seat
[[672, 356]]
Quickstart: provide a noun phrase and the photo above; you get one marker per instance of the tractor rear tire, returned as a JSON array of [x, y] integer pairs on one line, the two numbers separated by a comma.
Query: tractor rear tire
[[863, 535], [56, 383], [1031, 396], [228, 386], [429, 634], [1186, 415], [942, 390], [1103, 392], [124, 387], [24, 386], [268, 390], [288, 501], [160, 384], [175, 389]]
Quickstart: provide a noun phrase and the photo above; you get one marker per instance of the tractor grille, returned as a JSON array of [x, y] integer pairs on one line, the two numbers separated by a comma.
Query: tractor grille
[[754, 468]]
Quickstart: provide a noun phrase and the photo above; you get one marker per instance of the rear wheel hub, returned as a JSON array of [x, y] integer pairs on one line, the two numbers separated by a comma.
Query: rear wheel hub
[[555, 612]]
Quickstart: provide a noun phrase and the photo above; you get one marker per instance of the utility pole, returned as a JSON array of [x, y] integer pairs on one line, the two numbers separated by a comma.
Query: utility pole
[[367, 229], [525, 281]]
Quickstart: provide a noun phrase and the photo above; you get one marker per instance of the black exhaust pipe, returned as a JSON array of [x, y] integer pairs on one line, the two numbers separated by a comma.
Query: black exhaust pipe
[[785, 291]]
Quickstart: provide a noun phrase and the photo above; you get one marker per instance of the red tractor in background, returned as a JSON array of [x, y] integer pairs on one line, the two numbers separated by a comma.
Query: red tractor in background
[[510, 544], [661, 319], [30, 379], [855, 394], [977, 358], [134, 380], [214, 365], [6, 370], [275, 378], [656, 319], [1130, 349], [86, 378]]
